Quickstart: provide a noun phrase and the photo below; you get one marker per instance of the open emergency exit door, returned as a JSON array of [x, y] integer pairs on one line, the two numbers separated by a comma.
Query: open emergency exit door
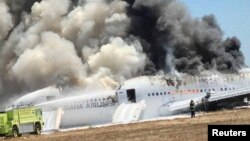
[[131, 95]]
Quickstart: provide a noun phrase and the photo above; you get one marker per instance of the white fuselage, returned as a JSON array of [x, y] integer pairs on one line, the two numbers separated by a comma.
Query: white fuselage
[[83, 109]]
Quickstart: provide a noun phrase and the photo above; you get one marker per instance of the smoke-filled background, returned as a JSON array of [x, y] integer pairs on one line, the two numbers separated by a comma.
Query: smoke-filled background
[[97, 44]]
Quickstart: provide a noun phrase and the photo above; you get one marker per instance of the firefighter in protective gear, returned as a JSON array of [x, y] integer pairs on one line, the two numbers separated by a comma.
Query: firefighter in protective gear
[[192, 108]]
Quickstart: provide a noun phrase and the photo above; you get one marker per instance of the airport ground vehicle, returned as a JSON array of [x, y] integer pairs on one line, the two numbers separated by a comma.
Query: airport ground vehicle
[[17, 121]]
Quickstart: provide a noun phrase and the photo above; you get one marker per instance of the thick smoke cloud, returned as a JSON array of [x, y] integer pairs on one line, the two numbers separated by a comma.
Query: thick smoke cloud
[[167, 29], [132, 59], [97, 44], [52, 57]]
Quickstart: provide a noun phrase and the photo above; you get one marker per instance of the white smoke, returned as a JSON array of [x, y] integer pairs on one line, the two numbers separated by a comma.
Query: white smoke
[[95, 22], [86, 46], [43, 17], [102, 79], [123, 60], [51, 57]]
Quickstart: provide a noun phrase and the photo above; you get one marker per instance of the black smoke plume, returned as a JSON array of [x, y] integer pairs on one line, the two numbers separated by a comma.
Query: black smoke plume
[[166, 29]]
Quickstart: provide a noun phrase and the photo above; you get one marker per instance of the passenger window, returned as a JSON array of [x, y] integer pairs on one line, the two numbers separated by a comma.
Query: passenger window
[[201, 90], [160, 93], [157, 94], [153, 94], [148, 94]]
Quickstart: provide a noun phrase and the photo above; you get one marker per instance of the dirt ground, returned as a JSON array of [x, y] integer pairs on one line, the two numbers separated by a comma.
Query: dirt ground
[[182, 129]]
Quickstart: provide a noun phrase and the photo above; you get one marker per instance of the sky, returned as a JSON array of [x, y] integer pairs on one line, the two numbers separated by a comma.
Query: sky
[[233, 17]]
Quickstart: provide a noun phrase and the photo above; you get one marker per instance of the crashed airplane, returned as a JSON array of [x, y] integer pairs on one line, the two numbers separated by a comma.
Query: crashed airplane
[[141, 98]]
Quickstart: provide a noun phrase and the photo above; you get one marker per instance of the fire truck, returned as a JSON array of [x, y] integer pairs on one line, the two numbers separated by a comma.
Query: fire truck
[[17, 121]]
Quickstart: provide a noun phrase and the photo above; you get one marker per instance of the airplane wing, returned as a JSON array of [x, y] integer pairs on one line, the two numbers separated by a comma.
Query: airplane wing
[[178, 106], [228, 94]]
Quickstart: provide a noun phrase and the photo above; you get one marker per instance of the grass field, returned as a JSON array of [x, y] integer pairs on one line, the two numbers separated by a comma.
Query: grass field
[[182, 129]]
